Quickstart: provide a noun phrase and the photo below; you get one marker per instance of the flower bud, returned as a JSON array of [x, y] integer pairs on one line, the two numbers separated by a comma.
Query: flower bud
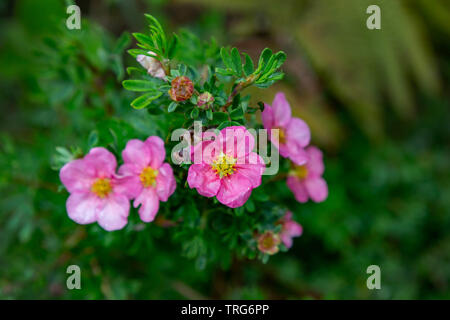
[[182, 89], [268, 242], [152, 65], [205, 100]]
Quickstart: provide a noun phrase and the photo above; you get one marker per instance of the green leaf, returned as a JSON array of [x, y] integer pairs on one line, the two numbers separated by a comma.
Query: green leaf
[[220, 117], [263, 59], [237, 113], [224, 72], [172, 47], [226, 58], [248, 67], [138, 85], [226, 124], [250, 205], [172, 106], [194, 113], [281, 58], [236, 62], [135, 52], [209, 114], [140, 71], [92, 139], [122, 43], [144, 100], [144, 39]]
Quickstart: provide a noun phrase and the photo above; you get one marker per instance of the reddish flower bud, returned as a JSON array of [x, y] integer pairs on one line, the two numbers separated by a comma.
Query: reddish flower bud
[[182, 89], [205, 100]]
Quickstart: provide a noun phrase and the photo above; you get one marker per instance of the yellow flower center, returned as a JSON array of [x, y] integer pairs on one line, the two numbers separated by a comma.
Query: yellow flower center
[[300, 172], [102, 187], [224, 165], [148, 177], [281, 136], [268, 242]]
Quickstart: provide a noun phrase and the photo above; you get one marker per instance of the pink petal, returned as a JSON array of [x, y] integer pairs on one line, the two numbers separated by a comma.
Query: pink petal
[[83, 207], [298, 155], [287, 216], [315, 164], [129, 169], [293, 228], [204, 179], [252, 171], [286, 239], [298, 189], [297, 132], [317, 189], [148, 199], [165, 182], [283, 149], [240, 201], [137, 154], [158, 152], [103, 161], [267, 117], [114, 215], [130, 186], [77, 175], [281, 110], [211, 149], [238, 141], [235, 190]]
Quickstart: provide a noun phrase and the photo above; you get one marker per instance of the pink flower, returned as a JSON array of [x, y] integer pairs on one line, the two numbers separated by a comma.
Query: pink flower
[[294, 134], [227, 168], [152, 65], [147, 178], [268, 242], [306, 181], [95, 194], [289, 229]]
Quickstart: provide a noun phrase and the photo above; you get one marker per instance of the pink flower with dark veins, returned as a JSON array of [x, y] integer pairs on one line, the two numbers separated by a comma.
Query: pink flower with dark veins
[[95, 192], [293, 133], [228, 168], [146, 177], [306, 181]]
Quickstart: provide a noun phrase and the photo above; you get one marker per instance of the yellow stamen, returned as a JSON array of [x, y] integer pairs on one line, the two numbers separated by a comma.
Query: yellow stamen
[[102, 187], [281, 136], [268, 242], [224, 165], [300, 172], [148, 177]]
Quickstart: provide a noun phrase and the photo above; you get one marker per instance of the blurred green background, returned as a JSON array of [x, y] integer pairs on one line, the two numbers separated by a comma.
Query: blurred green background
[[377, 102]]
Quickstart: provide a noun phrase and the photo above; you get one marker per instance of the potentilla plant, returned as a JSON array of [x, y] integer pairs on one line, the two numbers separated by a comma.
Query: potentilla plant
[[205, 177]]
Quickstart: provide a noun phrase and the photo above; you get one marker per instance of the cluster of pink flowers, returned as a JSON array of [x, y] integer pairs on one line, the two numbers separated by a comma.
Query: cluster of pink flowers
[[305, 179], [225, 166], [99, 194]]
